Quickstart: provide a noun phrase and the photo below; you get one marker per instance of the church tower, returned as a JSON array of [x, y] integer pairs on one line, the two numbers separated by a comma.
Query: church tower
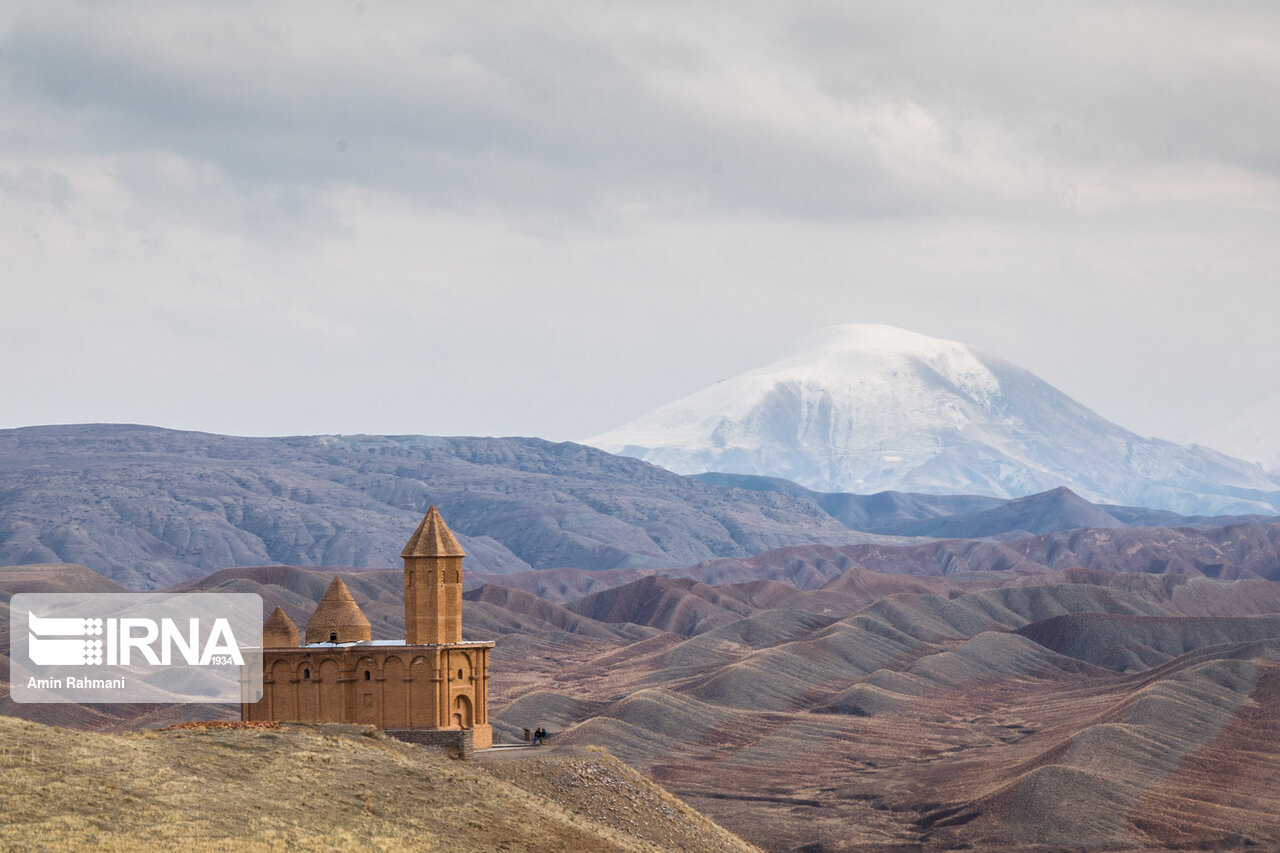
[[431, 689], [432, 584]]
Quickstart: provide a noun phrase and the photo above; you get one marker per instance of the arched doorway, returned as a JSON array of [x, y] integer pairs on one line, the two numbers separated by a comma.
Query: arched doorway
[[462, 712]]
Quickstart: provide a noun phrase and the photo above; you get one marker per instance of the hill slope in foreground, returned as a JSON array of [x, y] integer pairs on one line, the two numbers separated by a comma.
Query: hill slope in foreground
[[323, 788]]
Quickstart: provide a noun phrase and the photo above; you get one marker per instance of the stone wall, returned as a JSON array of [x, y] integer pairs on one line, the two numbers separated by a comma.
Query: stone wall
[[457, 743]]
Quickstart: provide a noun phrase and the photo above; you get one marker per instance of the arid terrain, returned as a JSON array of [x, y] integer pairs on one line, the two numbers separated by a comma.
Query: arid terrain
[[1052, 710], [989, 719]]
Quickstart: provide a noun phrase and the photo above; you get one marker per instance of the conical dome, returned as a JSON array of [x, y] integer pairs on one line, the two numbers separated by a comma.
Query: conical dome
[[338, 618], [433, 538], [279, 631]]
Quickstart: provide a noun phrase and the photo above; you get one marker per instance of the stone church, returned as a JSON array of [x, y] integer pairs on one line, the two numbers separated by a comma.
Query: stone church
[[429, 687]]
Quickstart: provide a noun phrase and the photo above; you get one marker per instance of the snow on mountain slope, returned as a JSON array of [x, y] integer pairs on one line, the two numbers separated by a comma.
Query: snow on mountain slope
[[867, 408]]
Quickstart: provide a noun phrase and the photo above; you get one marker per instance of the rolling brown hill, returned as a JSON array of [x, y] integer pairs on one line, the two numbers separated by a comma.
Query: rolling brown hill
[[925, 721], [996, 743], [1103, 778], [52, 577], [1234, 552], [1127, 643], [881, 711], [323, 788], [1229, 553], [1126, 558], [679, 605]]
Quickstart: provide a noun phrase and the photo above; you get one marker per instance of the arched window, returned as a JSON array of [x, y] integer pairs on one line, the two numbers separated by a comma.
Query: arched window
[[366, 675], [306, 674], [459, 675], [333, 636]]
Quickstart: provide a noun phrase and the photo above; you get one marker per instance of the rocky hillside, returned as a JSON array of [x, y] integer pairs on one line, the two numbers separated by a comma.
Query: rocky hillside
[[149, 507], [320, 788]]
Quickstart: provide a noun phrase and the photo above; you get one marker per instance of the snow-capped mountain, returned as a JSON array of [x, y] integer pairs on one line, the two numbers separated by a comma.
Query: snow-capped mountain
[[866, 408]]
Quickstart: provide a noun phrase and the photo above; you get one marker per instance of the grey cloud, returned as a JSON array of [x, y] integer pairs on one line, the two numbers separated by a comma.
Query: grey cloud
[[1110, 81], [715, 178], [570, 112], [37, 186]]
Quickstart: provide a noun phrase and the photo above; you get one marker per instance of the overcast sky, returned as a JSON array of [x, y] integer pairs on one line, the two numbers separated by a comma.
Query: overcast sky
[[545, 219]]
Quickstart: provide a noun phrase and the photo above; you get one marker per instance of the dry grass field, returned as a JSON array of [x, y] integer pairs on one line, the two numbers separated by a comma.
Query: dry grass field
[[327, 788]]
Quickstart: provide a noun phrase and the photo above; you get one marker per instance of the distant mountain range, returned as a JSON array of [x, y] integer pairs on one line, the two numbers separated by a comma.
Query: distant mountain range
[[864, 408], [150, 507]]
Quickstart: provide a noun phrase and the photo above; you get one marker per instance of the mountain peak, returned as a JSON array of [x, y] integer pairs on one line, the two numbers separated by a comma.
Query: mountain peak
[[874, 337], [866, 408]]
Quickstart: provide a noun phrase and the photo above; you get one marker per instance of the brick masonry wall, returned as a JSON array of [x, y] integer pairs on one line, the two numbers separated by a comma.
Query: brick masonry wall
[[459, 743]]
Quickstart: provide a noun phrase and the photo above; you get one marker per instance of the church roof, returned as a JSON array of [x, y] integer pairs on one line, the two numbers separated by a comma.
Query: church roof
[[433, 538], [279, 630], [338, 610]]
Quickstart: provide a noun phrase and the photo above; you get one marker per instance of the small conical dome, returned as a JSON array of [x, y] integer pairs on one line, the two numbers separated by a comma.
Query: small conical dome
[[433, 538], [338, 618], [279, 631]]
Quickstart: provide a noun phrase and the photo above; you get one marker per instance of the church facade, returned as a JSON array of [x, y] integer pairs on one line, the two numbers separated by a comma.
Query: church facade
[[433, 680]]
